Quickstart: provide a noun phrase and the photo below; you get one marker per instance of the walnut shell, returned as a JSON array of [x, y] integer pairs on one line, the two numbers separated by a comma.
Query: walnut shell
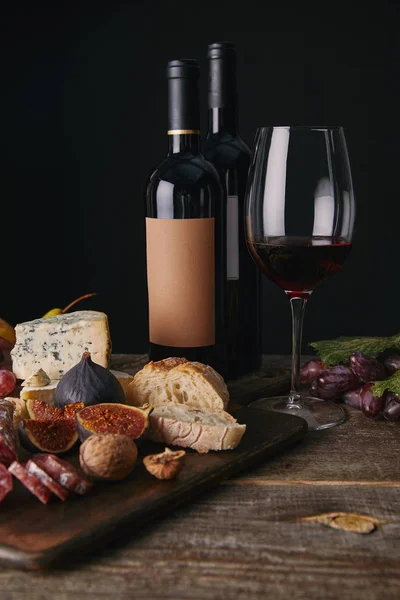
[[108, 456]]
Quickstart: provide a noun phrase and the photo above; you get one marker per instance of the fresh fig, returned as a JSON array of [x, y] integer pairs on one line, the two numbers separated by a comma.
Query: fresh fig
[[43, 435], [131, 421], [89, 383]]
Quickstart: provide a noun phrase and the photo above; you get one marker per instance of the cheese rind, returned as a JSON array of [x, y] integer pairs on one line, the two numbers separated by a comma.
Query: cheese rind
[[56, 344], [45, 392]]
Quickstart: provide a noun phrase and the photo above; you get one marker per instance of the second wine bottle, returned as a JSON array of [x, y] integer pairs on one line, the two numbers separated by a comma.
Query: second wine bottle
[[227, 151]]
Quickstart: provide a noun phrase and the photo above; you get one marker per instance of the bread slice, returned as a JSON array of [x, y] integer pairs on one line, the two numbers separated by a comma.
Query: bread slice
[[200, 430], [192, 384], [149, 385]]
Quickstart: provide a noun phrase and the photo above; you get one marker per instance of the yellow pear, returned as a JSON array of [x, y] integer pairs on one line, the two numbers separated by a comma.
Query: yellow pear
[[7, 331], [53, 312], [59, 311]]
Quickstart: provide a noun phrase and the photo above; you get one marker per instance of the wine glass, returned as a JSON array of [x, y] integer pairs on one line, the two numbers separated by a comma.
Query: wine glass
[[299, 224]]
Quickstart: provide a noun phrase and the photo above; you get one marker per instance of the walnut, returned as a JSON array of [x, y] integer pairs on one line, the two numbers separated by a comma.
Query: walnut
[[108, 456], [165, 465]]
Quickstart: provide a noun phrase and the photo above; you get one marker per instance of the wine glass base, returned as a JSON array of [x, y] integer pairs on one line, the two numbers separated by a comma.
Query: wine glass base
[[319, 414]]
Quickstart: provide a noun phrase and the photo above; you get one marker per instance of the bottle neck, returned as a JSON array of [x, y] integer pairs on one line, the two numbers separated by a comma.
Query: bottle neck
[[222, 94], [183, 141], [222, 119], [183, 115]]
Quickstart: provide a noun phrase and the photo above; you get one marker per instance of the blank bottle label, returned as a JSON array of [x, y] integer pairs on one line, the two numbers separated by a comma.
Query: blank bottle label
[[181, 281], [232, 238]]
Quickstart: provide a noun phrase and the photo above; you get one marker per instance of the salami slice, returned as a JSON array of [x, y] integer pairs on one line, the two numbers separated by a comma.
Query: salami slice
[[48, 481], [63, 472], [8, 435], [6, 482], [30, 481]]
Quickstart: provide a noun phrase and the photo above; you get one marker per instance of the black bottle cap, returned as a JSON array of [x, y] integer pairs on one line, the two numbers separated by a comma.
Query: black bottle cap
[[221, 49], [222, 76], [183, 68], [183, 96]]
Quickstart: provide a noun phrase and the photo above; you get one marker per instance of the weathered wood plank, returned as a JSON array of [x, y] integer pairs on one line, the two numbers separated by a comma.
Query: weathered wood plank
[[357, 450], [235, 545]]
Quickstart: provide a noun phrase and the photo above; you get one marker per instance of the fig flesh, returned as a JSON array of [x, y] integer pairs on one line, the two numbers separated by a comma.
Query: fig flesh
[[39, 409], [44, 435], [131, 421], [89, 383]]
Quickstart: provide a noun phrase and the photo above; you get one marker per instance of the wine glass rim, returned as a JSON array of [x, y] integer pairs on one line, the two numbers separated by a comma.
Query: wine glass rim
[[303, 127]]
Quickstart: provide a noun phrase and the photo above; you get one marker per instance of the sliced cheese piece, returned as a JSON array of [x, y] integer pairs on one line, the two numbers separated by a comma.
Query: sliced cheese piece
[[123, 378], [56, 344], [45, 392]]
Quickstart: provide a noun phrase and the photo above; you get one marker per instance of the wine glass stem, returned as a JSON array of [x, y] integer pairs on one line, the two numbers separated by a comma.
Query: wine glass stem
[[298, 306]]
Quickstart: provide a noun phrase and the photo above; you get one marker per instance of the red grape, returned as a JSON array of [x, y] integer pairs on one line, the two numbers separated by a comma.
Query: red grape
[[317, 392], [7, 382], [391, 410], [392, 363], [370, 405], [335, 381], [310, 370], [366, 367], [353, 397]]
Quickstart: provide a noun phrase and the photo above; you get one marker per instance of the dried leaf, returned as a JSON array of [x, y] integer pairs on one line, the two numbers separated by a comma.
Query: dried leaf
[[346, 521]]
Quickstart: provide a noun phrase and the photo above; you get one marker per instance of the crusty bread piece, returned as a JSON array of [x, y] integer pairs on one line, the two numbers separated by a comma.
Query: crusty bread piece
[[200, 430], [149, 385], [179, 380], [199, 386]]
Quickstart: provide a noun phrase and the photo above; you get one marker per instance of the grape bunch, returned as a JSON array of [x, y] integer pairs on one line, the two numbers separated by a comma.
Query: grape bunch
[[352, 382]]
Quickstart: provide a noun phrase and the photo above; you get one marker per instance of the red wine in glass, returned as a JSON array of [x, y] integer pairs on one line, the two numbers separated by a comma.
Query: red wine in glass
[[299, 264]]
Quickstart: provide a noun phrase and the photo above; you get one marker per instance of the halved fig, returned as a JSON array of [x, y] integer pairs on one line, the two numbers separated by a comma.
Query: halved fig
[[39, 409], [70, 410], [45, 435], [112, 418]]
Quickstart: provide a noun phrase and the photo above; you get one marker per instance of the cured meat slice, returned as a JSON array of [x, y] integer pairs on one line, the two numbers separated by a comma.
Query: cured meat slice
[[6, 482], [8, 435], [63, 472], [48, 481], [30, 481]]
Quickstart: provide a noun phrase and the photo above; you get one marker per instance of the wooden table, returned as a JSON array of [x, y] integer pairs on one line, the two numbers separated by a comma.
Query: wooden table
[[247, 538]]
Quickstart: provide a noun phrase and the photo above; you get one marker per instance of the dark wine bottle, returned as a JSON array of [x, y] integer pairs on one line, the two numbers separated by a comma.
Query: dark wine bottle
[[184, 256], [226, 150]]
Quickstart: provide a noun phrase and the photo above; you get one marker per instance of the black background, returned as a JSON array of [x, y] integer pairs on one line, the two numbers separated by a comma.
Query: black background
[[84, 123]]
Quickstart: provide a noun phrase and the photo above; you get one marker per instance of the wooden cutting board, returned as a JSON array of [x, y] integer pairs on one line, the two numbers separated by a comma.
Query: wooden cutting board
[[37, 536]]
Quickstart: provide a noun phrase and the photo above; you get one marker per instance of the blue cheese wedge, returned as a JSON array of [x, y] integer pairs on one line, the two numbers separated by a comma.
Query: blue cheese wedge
[[56, 344]]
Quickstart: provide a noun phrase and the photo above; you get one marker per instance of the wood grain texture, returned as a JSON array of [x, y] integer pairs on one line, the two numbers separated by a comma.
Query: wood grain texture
[[243, 540]]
